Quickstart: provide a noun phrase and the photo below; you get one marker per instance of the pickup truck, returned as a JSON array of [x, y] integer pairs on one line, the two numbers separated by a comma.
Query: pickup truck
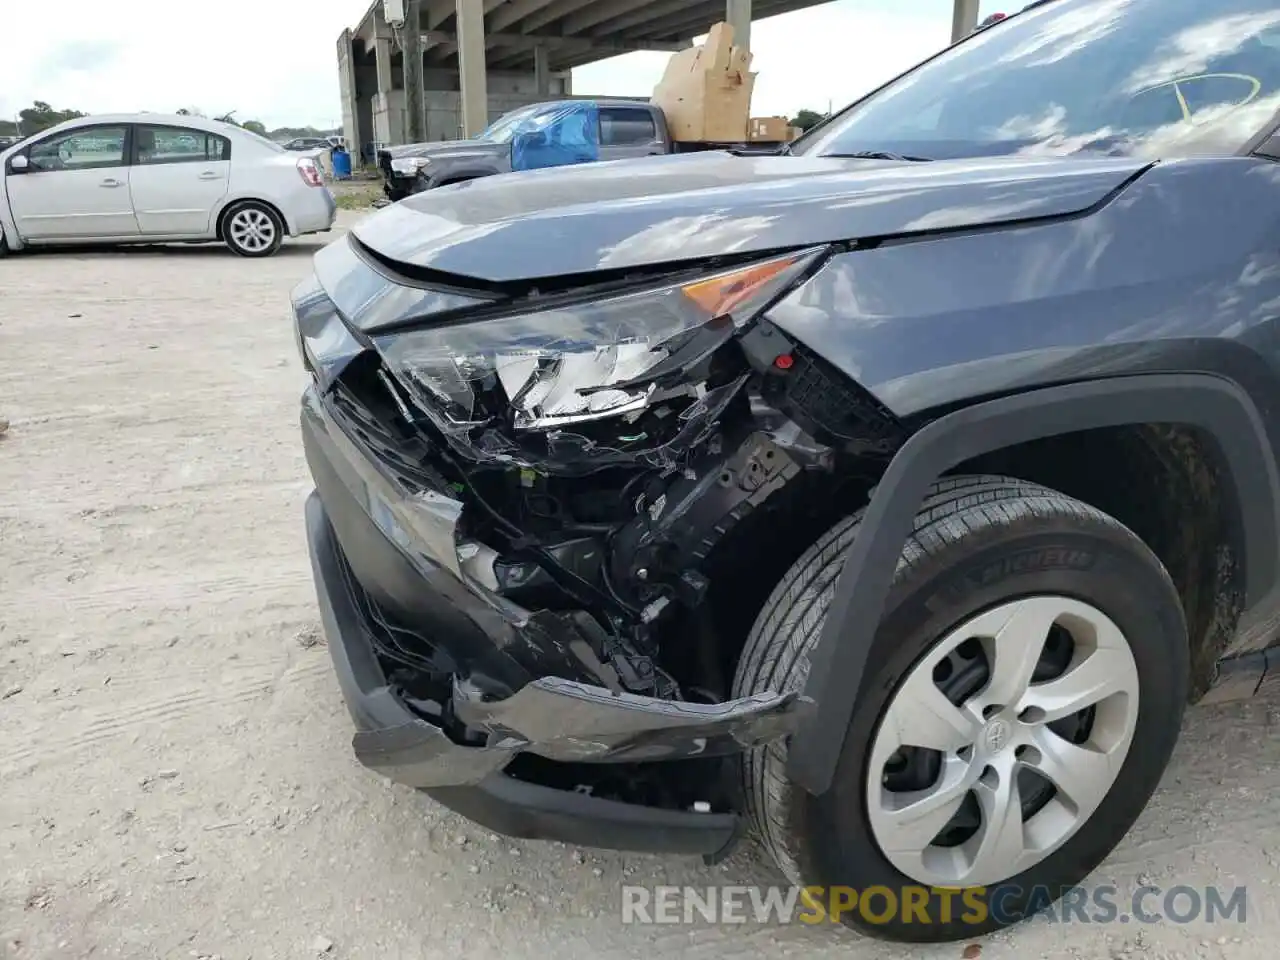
[[555, 133]]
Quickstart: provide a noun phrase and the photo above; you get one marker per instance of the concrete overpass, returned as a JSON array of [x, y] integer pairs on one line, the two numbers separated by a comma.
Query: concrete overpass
[[481, 58]]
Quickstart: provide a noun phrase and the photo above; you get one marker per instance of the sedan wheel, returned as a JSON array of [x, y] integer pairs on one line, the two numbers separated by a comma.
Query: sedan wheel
[[253, 230]]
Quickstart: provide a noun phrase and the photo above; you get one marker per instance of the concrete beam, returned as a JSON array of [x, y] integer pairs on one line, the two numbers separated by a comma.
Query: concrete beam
[[512, 61], [642, 16], [553, 12], [599, 12], [561, 62], [436, 39], [367, 30], [472, 73], [737, 13], [964, 19], [442, 10], [435, 12], [687, 23], [514, 12], [699, 17]]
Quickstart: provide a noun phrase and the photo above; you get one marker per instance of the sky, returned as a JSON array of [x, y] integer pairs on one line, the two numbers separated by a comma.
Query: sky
[[275, 61]]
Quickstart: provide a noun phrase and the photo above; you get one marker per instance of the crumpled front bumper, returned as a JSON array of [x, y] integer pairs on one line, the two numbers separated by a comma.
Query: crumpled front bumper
[[565, 720]]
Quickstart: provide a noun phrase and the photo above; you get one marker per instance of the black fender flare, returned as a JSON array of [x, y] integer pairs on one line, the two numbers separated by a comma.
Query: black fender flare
[[1213, 404]]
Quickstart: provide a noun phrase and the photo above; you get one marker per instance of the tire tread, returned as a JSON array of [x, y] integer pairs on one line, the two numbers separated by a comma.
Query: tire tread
[[776, 653]]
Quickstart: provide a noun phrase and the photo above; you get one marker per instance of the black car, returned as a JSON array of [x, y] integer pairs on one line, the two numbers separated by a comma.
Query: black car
[[308, 143], [890, 498]]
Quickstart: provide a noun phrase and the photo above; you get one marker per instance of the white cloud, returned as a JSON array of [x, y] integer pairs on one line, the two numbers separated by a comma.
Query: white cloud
[[275, 61], [266, 59]]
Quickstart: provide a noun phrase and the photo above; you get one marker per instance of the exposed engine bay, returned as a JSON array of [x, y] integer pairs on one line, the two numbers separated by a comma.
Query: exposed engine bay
[[601, 468]]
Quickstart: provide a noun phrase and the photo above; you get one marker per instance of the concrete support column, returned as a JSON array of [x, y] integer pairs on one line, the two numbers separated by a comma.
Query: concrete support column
[[348, 90], [471, 66], [388, 126], [541, 71], [737, 13], [382, 53], [964, 18]]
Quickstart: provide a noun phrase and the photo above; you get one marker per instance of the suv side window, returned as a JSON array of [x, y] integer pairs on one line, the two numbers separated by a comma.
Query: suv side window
[[626, 126], [156, 144], [86, 148]]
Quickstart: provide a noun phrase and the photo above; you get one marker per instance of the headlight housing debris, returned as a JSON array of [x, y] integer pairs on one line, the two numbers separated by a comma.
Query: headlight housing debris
[[573, 363], [408, 166]]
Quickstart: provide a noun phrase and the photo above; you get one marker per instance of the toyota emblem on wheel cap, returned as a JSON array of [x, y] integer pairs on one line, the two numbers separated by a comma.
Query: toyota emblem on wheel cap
[[997, 736]]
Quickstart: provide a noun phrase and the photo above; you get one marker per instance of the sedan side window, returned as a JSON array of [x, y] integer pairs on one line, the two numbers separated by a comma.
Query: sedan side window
[[216, 147], [83, 149], [154, 144]]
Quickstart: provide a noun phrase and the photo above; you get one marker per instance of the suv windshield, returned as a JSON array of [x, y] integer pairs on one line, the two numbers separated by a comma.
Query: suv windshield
[[1143, 78]]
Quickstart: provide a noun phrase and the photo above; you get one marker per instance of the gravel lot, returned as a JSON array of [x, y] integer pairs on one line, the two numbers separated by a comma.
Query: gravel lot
[[175, 773]]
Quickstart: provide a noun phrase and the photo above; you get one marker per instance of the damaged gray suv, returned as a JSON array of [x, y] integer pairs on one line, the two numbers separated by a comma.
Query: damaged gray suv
[[888, 499]]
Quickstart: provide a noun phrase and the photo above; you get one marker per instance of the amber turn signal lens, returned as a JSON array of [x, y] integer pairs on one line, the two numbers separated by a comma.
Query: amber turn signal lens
[[720, 295]]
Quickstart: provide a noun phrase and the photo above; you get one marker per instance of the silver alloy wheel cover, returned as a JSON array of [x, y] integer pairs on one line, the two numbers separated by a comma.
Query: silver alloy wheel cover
[[252, 229], [983, 754]]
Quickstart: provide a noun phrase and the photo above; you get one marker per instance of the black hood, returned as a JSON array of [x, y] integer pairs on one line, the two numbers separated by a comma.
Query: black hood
[[447, 147], [610, 216]]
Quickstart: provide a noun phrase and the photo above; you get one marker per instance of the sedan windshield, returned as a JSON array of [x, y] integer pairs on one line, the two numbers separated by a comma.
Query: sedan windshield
[[1144, 78]]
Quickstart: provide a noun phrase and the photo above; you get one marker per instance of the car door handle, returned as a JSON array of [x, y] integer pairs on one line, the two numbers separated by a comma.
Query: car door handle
[[111, 183], [210, 175]]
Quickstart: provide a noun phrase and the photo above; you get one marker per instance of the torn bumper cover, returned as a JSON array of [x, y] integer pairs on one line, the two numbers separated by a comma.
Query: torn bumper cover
[[370, 535]]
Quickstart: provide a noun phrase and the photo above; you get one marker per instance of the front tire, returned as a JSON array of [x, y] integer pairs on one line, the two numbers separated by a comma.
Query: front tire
[[1022, 697], [252, 229]]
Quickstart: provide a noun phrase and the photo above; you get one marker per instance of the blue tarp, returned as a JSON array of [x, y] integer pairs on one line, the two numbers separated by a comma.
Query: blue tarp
[[565, 134]]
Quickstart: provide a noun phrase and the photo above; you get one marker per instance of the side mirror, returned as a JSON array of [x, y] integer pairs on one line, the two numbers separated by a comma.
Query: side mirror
[[532, 139], [19, 164]]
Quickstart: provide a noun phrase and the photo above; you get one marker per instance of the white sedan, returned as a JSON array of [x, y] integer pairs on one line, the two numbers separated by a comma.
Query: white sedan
[[150, 178]]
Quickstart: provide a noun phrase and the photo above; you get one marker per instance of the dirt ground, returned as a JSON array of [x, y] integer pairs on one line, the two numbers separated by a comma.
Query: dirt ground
[[175, 772]]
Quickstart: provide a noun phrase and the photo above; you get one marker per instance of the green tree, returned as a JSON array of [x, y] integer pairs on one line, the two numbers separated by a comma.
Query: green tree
[[40, 116], [253, 126], [807, 119]]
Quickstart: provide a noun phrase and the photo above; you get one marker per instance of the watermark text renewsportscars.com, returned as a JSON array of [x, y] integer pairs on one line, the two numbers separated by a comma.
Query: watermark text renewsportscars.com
[[1101, 904]]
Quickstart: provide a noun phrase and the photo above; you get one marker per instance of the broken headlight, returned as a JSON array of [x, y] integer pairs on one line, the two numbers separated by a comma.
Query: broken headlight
[[577, 362], [408, 166]]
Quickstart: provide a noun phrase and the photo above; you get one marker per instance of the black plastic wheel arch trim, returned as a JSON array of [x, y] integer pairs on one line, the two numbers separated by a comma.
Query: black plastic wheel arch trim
[[1216, 405]]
